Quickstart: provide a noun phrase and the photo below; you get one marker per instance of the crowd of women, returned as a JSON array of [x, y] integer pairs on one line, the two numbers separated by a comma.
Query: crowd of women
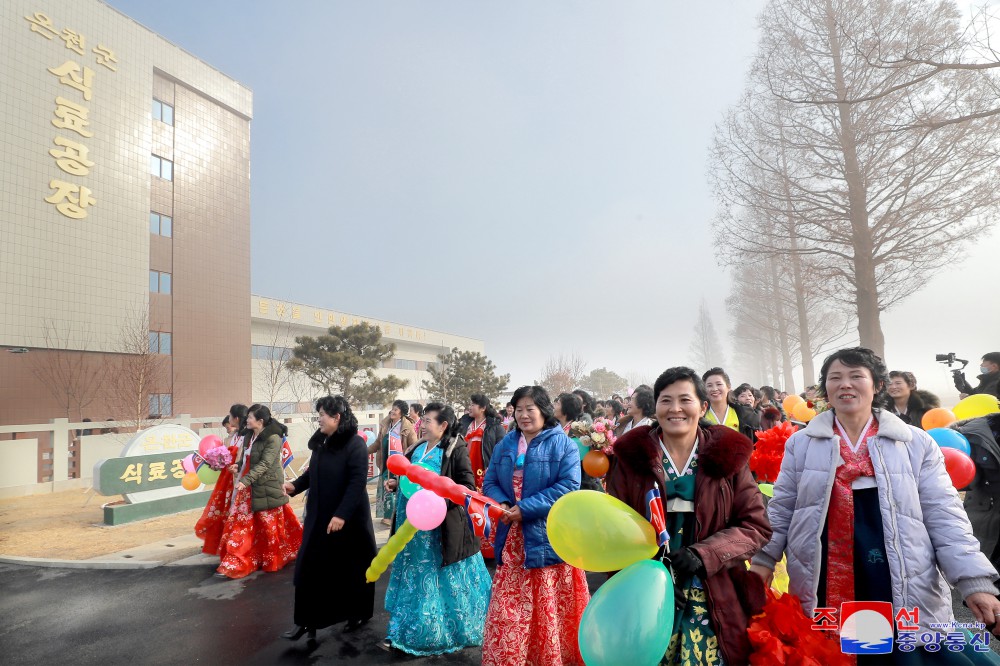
[[863, 510]]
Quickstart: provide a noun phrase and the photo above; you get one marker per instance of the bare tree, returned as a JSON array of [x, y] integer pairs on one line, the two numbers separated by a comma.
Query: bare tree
[[71, 378], [136, 372], [706, 350], [562, 373], [837, 152], [274, 377]]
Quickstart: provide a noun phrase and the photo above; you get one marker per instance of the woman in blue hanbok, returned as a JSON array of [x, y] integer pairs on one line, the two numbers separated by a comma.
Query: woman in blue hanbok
[[439, 588]]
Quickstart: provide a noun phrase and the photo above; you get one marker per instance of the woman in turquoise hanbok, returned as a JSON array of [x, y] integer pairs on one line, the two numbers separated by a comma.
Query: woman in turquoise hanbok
[[439, 588]]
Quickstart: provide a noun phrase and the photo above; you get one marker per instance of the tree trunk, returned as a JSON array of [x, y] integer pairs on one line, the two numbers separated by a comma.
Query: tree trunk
[[865, 288]]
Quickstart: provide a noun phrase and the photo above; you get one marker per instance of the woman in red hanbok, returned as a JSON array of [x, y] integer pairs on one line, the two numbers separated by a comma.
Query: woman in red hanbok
[[210, 526], [262, 531]]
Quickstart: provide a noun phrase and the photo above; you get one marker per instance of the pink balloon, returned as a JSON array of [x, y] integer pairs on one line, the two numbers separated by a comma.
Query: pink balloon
[[187, 463], [425, 510], [207, 443]]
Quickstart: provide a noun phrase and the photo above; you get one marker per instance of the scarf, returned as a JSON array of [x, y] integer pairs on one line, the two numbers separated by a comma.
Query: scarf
[[840, 519]]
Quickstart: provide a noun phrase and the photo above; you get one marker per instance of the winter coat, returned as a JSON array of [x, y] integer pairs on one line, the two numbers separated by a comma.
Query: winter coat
[[406, 432], [982, 497], [457, 539], [266, 476], [988, 383], [330, 583], [730, 520], [920, 403], [551, 469], [493, 432], [928, 537]]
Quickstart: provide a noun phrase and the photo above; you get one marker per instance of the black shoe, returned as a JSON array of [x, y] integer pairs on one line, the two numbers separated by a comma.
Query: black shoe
[[220, 575], [297, 633], [354, 625], [386, 645]]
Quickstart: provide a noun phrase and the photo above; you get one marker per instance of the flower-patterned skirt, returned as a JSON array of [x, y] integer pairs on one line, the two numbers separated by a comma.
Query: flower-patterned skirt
[[252, 540], [534, 614]]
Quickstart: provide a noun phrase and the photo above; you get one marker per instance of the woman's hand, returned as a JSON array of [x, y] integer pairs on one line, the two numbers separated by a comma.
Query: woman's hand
[[766, 575], [986, 608], [232, 469], [336, 524], [288, 487], [511, 515], [390, 485]]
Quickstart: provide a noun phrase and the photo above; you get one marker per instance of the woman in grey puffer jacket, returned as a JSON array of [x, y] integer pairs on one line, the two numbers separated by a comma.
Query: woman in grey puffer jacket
[[865, 511]]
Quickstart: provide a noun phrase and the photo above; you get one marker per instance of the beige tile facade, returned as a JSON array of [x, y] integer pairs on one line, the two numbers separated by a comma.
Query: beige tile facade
[[83, 270]]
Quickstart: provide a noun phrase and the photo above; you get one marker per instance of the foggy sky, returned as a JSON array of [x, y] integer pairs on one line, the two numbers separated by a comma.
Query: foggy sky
[[530, 174]]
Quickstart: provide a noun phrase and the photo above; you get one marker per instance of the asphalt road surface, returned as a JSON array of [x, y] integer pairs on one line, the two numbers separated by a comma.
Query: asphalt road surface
[[181, 614]]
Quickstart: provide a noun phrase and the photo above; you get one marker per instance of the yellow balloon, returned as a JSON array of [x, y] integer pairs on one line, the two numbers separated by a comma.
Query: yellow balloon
[[789, 403], [803, 412], [597, 532], [976, 405], [766, 489]]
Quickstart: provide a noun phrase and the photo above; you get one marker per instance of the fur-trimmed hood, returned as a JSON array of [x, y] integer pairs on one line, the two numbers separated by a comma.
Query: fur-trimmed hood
[[319, 440], [721, 450]]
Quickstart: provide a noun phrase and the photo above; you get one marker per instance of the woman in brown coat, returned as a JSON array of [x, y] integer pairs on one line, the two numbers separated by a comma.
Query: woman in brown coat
[[695, 481]]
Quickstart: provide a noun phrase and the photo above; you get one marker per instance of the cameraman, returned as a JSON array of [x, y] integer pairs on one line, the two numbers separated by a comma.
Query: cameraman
[[989, 378]]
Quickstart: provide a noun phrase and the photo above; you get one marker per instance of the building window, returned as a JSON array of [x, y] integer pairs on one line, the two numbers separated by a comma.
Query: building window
[[160, 342], [163, 112], [161, 167], [160, 404], [159, 283], [269, 353], [403, 364], [161, 225]]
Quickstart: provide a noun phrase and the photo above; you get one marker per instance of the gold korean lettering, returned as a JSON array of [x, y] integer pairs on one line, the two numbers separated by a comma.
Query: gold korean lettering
[[317, 317], [262, 306], [105, 57], [279, 309], [331, 319], [157, 471], [132, 474], [296, 312], [73, 157], [74, 40], [343, 320], [70, 74], [42, 24], [72, 116], [70, 199], [177, 469]]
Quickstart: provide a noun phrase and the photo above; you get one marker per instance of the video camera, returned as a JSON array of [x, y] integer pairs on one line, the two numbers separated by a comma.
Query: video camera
[[949, 359]]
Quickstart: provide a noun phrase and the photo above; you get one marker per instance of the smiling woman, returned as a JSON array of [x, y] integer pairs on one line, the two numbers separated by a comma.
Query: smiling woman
[[695, 482], [855, 478]]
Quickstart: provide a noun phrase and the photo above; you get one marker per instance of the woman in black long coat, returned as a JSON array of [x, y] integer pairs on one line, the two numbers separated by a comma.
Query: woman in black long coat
[[338, 543]]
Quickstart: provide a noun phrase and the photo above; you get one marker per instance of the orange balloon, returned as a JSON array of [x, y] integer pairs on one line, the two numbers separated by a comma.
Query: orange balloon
[[939, 417], [190, 481], [803, 412], [596, 464], [789, 403]]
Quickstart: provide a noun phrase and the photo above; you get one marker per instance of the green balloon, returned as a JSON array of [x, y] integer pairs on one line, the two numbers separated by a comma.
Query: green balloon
[[584, 450], [630, 618], [408, 487], [207, 475]]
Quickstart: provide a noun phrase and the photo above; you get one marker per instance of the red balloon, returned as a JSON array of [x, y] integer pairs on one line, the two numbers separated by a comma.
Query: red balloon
[[441, 486], [960, 467], [208, 442]]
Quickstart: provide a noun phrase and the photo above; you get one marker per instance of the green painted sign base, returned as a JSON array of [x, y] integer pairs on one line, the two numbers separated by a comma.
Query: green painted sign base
[[119, 514]]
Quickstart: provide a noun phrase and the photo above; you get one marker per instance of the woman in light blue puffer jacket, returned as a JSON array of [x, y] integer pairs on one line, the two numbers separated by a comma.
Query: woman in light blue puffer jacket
[[865, 511]]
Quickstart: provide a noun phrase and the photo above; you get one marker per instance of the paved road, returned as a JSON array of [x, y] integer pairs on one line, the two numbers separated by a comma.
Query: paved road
[[173, 615]]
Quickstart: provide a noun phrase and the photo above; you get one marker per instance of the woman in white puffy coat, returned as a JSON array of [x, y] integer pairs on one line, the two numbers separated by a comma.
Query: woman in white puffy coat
[[865, 511]]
